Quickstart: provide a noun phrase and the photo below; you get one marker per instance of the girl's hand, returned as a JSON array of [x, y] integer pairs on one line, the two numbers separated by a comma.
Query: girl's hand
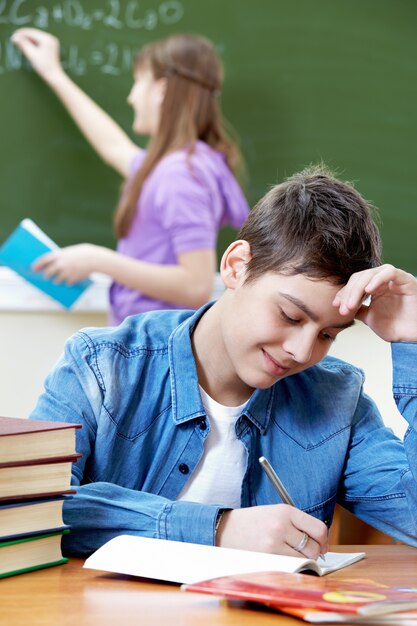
[[392, 310], [74, 263], [40, 48]]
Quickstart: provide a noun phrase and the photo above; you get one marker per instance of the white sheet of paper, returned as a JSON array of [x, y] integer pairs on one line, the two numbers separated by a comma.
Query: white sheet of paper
[[180, 562]]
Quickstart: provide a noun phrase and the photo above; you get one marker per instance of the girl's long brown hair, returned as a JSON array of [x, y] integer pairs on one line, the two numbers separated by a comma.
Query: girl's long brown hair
[[190, 110]]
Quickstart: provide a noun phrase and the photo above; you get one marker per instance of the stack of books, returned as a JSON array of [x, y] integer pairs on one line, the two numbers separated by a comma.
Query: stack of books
[[35, 477]]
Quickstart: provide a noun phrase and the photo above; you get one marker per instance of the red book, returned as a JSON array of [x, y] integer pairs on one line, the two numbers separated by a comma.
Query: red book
[[24, 440], [292, 593], [35, 458]]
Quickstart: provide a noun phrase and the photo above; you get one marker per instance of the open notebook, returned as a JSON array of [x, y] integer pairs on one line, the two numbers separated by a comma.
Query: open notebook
[[180, 562]]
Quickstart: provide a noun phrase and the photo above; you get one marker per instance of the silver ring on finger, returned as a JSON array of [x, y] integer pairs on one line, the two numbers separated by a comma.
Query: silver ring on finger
[[301, 544]]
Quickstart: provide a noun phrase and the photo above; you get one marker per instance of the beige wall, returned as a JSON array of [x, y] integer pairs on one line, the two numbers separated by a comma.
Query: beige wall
[[31, 342], [363, 348]]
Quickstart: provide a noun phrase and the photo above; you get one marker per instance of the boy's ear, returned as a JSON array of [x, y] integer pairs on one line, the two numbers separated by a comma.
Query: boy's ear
[[233, 263]]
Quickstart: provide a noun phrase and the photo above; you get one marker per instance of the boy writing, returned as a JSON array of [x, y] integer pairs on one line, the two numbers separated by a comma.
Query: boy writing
[[178, 406]]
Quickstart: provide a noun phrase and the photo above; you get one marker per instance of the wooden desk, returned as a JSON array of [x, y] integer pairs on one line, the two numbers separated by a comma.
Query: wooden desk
[[69, 595]]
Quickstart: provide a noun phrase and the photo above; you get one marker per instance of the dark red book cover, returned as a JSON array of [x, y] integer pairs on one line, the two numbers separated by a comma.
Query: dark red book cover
[[22, 426], [24, 441], [13, 487], [45, 461]]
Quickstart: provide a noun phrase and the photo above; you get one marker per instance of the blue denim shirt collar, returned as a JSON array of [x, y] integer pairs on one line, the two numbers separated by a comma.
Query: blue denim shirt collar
[[186, 399], [259, 408]]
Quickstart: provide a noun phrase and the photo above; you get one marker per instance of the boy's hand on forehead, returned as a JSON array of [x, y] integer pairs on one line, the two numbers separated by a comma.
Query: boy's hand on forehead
[[392, 310]]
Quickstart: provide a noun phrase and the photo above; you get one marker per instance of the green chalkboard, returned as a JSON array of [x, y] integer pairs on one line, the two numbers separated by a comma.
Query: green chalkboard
[[306, 80]]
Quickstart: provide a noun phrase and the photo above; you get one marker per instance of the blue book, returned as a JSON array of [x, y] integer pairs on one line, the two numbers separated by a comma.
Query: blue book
[[31, 517], [27, 243]]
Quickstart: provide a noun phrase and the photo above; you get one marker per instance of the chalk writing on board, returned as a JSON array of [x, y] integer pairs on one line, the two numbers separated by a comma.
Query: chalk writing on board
[[72, 13], [111, 58]]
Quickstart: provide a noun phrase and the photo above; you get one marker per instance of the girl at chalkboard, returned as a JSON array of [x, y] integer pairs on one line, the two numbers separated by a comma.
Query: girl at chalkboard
[[178, 192]]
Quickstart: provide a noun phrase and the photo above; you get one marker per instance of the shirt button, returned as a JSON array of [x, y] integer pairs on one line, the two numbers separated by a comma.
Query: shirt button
[[184, 469], [202, 424]]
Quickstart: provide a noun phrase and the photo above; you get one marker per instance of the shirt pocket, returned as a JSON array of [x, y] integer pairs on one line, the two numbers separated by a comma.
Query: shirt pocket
[[318, 406]]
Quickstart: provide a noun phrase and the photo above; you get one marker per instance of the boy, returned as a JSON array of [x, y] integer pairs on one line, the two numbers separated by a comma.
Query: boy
[[178, 406]]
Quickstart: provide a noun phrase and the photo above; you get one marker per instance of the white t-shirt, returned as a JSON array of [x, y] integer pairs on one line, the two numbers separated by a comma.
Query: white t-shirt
[[218, 477]]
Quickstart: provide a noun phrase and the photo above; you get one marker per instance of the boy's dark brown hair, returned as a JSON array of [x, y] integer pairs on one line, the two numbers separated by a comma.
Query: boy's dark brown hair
[[312, 224]]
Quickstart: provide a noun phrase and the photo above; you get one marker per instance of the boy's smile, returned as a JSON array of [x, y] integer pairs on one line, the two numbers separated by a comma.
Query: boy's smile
[[276, 368], [270, 328]]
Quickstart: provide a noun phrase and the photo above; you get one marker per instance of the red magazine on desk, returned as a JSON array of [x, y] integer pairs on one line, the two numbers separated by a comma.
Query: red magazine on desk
[[282, 591]]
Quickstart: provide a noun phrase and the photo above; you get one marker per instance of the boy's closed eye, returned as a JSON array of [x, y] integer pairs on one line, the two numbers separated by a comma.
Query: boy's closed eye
[[288, 318], [293, 321]]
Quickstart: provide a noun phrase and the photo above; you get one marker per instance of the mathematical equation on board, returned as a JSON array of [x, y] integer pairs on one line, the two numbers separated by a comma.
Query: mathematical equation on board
[[112, 58]]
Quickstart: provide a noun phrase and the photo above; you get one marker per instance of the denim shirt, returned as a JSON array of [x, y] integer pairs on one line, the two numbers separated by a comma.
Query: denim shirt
[[134, 388]]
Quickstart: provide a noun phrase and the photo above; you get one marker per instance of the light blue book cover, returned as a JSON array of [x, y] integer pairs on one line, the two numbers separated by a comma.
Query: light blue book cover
[[22, 248]]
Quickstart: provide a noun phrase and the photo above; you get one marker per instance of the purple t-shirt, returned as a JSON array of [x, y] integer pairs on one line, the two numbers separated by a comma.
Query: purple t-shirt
[[183, 203]]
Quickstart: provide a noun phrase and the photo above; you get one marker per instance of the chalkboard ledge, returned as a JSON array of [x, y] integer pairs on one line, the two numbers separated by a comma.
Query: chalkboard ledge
[[18, 295]]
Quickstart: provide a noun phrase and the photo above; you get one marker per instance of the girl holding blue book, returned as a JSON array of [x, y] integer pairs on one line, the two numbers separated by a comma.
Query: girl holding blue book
[[178, 192]]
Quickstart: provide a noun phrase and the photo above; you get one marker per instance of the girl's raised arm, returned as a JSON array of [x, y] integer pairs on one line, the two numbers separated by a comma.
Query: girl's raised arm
[[107, 138]]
